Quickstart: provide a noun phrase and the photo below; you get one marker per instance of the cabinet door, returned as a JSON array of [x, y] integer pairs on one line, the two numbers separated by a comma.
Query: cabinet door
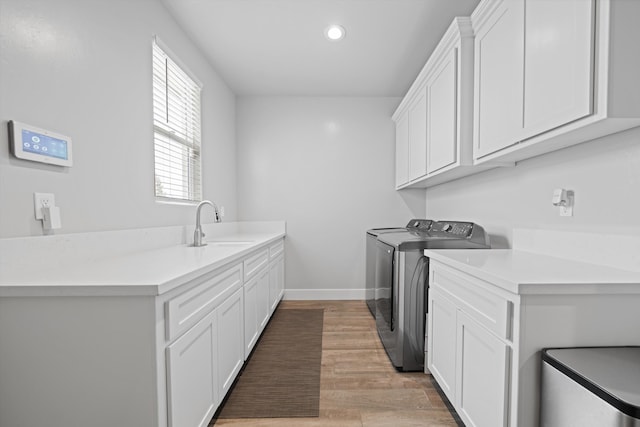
[[230, 318], [481, 389], [402, 150], [251, 333], [264, 304], [441, 342], [418, 135], [442, 115], [558, 67], [499, 62], [276, 282], [281, 279], [192, 376]]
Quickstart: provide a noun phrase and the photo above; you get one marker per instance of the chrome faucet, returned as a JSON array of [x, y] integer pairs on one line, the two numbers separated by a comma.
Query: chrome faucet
[[198, 234]]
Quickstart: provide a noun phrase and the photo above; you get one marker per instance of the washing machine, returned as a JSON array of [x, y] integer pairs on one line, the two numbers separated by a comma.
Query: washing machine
[[401, 284], [370, 261]]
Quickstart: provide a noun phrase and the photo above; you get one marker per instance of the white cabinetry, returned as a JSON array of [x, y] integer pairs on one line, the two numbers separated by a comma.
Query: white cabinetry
[[192, 375], [418, 134], [257, 308], [442, 114], [483, 366], [262, 291], [499, 56], [157, 334], [210, 290], [212, 328], [230, 318], [276, 274], [208, 321], [276, 282], [549, 74], [402, 150], [559, 33], [441, 344], [492, 312], [468, 350], [434, 120], [251, 333]]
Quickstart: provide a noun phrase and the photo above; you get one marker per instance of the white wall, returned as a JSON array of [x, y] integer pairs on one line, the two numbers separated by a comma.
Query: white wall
[[83, 68], [326, 166], [604, 173]]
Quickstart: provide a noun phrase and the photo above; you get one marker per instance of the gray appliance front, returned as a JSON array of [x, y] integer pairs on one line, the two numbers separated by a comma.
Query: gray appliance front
[[590, 387], [401, 301]]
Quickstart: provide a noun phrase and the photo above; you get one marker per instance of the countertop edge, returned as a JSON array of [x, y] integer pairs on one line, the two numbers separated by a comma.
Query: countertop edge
[[124, 289], [510, 282]]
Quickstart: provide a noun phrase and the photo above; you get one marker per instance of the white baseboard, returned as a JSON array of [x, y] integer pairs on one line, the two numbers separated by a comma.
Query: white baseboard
[[324, 294]]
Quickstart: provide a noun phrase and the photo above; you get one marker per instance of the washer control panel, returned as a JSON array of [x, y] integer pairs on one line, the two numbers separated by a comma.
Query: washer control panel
[[420, 224], [459, 229]]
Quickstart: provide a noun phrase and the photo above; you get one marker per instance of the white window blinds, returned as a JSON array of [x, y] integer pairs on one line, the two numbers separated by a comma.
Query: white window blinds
[[176, 125]]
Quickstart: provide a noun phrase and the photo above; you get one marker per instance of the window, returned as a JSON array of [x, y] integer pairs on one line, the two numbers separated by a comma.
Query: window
[[176, 130]]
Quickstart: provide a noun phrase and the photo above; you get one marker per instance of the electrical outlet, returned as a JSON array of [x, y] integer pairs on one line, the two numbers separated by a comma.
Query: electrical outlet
[[566, 210], [221, 211], [42, 200]]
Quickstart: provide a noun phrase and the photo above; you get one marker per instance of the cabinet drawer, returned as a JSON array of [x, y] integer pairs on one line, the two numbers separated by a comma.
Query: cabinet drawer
[[188, 308], [276, 249], [255, 263], [475, 298]]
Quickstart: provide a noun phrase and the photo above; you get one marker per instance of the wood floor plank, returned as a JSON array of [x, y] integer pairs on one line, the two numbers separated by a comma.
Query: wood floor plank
[[409, 418], [358, 385]]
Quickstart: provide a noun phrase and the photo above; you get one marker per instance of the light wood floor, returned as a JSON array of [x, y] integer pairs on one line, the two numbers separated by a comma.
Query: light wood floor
[[359, 387]]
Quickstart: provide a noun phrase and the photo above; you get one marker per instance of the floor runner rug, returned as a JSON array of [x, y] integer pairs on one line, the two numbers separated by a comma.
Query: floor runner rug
[[282, 377]]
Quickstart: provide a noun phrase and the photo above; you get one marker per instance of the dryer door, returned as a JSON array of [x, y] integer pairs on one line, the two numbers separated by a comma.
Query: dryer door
[[384, 285], [387, 302]]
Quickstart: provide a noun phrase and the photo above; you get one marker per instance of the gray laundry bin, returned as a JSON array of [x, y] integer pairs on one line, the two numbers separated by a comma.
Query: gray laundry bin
[[590, 386]]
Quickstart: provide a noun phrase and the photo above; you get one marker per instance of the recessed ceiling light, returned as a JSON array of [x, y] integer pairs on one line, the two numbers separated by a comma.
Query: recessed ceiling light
[[334, 32]]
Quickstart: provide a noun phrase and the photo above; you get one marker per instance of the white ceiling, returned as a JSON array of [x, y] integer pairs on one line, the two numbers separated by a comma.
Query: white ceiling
[[277, 47]]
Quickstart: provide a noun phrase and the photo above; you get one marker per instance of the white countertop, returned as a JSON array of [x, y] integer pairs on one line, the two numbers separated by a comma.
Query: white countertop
[[144, 272], [523, 272]]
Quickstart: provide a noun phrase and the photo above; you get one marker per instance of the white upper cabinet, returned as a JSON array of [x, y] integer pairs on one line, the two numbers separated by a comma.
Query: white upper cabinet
[[437, 113], [442, 114], [499, 52], [402, 150], [550, 74], [558, 63], [418, 135]]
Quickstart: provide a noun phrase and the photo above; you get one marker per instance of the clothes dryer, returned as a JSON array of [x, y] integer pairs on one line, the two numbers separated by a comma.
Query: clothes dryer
[[401, 284]]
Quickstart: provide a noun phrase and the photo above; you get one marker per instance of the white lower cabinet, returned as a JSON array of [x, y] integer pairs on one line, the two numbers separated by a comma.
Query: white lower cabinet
[[468, 351], [192, 375], [264, 304], [483, 366], [251, 333], [442, 342], [156, 360], [203, 363], [487, 326], [257, 309], [211, 328], [230, 319], [276, 282]]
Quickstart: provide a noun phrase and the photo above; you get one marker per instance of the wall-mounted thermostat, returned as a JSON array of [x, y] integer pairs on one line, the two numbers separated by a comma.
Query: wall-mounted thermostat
[[39, 145]]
